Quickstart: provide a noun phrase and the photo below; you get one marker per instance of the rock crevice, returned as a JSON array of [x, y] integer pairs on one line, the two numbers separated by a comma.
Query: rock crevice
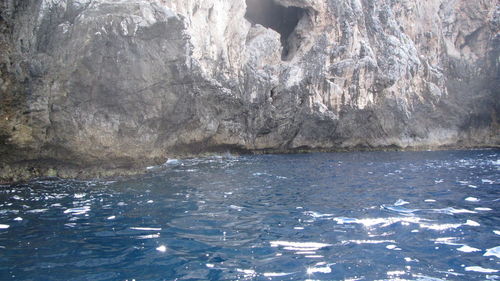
[[281, 19]]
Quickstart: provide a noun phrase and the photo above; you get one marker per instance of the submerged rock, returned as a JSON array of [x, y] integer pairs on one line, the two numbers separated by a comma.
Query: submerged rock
[[97, 85]]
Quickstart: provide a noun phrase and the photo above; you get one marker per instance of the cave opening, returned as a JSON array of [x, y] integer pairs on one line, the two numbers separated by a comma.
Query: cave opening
[[283, 20]]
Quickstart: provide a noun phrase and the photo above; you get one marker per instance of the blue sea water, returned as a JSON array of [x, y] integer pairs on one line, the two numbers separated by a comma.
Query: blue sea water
[[321, 216]]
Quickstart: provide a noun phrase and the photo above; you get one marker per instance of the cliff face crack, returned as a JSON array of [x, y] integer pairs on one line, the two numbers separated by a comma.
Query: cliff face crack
[[283, 20]]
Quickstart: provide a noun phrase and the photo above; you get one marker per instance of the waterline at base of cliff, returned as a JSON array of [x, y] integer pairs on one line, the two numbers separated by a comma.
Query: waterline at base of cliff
[[40, 169]]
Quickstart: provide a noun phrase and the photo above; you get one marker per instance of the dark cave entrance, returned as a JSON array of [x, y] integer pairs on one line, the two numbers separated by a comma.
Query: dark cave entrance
[[282, 19]]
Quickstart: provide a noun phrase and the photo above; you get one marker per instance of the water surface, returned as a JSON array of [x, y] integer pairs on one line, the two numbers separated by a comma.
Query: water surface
[[323, 216]]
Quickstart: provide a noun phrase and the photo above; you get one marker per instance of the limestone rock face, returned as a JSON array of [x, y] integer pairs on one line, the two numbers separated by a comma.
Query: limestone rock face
[[94, 85]]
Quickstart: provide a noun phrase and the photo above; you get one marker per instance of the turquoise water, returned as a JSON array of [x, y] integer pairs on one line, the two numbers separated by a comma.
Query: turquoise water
[[323, 216]]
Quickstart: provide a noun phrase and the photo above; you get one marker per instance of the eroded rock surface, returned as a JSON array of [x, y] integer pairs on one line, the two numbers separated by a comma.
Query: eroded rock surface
[[92, 87]]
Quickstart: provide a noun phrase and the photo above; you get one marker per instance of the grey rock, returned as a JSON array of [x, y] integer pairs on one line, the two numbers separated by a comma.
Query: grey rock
[[98, 87]]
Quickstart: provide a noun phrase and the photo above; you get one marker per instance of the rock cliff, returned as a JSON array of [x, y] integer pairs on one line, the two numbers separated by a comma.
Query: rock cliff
[[96, 87]]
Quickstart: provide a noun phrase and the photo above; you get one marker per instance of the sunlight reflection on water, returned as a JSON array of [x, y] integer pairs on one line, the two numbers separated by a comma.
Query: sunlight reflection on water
[[324, 216]]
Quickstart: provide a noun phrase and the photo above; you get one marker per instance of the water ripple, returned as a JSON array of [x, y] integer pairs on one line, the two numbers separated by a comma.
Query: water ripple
[[340, 216]]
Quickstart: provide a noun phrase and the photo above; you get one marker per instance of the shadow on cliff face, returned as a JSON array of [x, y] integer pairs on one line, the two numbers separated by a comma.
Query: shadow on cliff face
[[282, 19]]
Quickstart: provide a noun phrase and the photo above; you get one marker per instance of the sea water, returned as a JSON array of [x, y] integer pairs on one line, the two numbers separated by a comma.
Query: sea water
[[321, 216]]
